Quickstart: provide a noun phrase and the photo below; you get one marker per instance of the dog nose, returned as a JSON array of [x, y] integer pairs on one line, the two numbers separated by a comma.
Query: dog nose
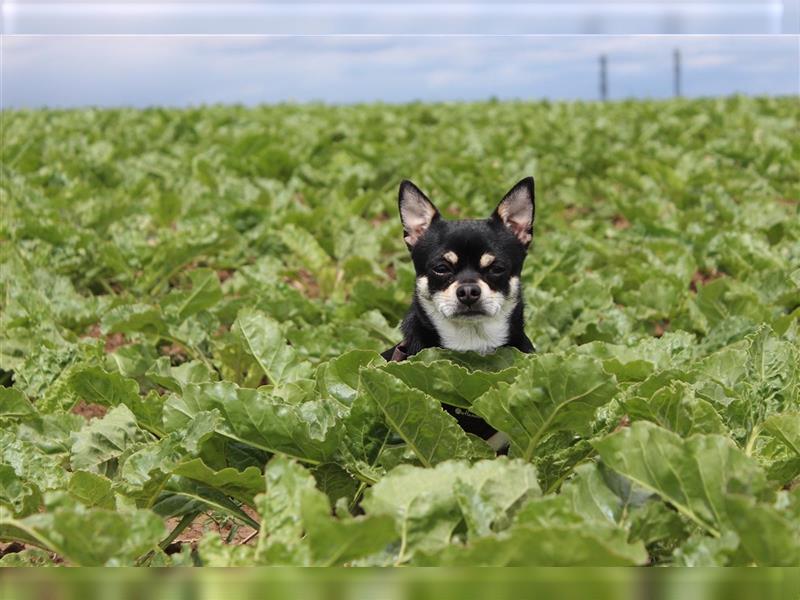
[[468, 293]]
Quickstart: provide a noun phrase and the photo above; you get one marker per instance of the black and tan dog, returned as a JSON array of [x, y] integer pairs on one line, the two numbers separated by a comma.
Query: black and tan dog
[[468, 293]]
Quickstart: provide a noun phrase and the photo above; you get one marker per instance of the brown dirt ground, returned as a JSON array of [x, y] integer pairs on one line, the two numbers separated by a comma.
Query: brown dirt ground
[[702, 277], [203, 523], [89, 411]]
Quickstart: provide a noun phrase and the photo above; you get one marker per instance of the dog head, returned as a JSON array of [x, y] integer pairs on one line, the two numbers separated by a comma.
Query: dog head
[[468, 270]]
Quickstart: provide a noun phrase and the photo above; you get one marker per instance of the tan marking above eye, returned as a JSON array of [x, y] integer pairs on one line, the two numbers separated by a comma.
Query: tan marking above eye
[[451, 257], [487, 259]]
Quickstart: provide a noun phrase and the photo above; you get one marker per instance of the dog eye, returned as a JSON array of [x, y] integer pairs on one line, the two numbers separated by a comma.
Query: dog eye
[[497, 269], [442, 269]]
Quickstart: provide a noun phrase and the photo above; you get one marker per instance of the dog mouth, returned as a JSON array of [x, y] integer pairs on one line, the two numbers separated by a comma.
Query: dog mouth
[[469, 313]]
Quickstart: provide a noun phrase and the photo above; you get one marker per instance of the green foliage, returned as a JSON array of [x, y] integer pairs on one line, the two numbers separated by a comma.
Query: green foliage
[[193, 302]]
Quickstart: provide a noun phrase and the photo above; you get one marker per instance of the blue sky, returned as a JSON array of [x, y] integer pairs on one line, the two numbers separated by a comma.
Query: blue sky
[[129, 69]]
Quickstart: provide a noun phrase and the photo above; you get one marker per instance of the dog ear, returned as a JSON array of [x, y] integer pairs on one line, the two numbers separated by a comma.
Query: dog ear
[[517, 209], [416, 212]]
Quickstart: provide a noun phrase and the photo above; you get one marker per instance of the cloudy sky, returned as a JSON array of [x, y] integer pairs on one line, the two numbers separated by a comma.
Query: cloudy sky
[[55, 57]]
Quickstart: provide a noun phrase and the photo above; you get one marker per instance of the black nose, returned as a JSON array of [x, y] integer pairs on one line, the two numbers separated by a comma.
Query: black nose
[[468, 293]]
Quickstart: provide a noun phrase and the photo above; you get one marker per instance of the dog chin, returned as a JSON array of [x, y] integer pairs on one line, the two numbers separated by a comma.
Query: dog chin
[[466, 315]]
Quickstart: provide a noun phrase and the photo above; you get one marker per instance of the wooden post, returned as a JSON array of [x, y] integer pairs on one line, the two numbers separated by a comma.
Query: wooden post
[[603, 78]]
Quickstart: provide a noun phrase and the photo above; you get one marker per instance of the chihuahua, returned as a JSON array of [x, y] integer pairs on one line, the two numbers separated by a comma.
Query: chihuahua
[[468, 293]]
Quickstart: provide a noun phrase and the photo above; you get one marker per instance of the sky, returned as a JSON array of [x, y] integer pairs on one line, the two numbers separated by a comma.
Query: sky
[[52, 60]]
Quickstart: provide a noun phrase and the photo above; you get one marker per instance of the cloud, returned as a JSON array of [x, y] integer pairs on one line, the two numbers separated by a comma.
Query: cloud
[[177, 71]]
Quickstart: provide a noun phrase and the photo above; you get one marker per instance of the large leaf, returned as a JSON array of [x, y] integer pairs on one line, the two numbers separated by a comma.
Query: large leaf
[[262, 338], [336, 541], [770, 538], [547, 532], [785, 428], [87, 537], [308, 431], [242, 485], [338, 378], [205, 293], [17, 495], [13, 403], [438, 375], [95, 385], [552, 393], [104, 439], [427, 512], [181, 497], [280, 537], [678, 409], [694, 474], [92, 490], [432, 434]]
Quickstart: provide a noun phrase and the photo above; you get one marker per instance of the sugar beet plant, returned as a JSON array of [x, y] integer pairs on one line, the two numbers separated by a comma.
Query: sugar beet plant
[[193, 302]]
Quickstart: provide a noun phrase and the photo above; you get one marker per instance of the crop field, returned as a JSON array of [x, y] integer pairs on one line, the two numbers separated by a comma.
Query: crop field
[[193, 302]]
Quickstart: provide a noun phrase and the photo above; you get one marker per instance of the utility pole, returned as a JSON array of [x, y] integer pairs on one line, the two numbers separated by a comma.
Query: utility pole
[[603, 78], [676, 73]]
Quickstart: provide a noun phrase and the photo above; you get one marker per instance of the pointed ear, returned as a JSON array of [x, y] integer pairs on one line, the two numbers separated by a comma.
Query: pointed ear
[[517, 209], [416, 212]]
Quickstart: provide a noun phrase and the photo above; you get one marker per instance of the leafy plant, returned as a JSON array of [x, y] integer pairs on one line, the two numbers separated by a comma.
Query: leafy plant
[[193, 303]]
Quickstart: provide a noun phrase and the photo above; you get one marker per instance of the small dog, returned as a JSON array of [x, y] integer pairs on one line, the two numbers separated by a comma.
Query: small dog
[[468, 293]]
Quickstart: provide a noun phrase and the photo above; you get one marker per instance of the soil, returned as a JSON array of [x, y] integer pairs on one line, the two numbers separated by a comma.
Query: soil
[[112, 340], [620, 222], [89, 411], [305, 283], [204, 523], [703, 277]]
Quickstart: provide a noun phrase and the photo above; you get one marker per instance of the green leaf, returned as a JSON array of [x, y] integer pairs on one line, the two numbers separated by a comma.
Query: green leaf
[[262, 338], [134, 318], [104, 439], [432, 434], [29, 557], [147, 469], [92, 490], [242, 485], [213, 552], [337, 541], [19, 496], [677, 409], [13, 403], [780, 452], [770, 538], [636, 363], [174, 378], [338, 378], [205, 293], [694, 474], [436, 374], [94, 385], [703, 551], [308, 431], [280, 507], [785, 428], [427, 512], [109, 389], [181, 496], [33, 465], [552, 393], [87, 537], [546, 533], [493, 493]]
